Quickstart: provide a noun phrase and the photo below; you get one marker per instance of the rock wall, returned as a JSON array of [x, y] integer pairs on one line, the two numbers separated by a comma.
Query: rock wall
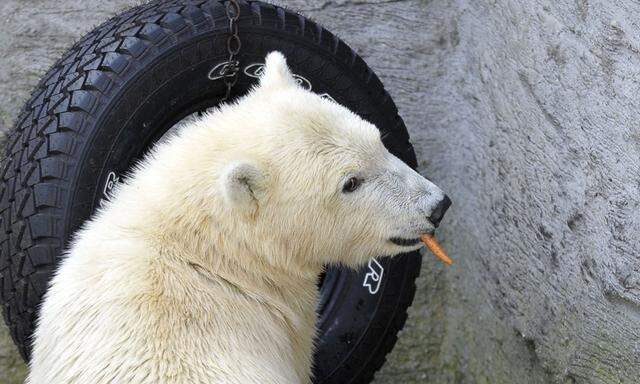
[[527, 114]]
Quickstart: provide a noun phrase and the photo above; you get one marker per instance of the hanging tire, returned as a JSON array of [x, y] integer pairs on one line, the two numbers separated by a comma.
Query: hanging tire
[[118, 90]]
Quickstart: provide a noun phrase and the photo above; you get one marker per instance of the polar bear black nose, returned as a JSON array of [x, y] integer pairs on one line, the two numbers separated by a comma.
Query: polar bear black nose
[[439, 210]]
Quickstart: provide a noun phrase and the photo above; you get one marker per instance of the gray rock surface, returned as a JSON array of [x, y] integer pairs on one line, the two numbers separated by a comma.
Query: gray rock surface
[[527, 113]]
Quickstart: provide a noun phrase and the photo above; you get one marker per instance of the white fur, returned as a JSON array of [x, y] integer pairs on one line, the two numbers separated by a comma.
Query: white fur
[[202, 268]]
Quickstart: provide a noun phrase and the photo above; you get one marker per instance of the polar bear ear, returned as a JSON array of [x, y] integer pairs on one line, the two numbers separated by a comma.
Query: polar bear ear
[[276, 73], [242, 184]]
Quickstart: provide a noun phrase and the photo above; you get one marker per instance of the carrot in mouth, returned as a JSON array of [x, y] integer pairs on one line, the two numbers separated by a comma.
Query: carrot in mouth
[[435, 248]]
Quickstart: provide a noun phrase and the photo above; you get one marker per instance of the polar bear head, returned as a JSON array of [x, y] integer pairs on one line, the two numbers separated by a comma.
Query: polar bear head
[[305, 180]]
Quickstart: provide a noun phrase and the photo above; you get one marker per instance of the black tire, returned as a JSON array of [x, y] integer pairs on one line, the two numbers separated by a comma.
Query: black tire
[[117, 90]]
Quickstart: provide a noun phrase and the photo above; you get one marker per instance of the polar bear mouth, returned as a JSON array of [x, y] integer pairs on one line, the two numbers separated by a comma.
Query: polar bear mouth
[[404, 242]]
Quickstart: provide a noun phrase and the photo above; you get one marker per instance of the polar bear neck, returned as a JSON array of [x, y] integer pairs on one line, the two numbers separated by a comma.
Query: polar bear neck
[[169, 205], [187, 255], [194, 236]]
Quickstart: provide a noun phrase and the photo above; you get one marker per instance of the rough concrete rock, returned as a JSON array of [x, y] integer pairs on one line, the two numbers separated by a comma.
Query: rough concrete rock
[[12, 369], [527, 113]]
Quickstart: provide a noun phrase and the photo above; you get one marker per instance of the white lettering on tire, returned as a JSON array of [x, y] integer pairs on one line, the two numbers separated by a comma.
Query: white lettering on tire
[[373, 278]]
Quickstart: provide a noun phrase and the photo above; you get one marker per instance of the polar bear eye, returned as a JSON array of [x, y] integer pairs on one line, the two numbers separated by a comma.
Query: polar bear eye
[[351, 185]]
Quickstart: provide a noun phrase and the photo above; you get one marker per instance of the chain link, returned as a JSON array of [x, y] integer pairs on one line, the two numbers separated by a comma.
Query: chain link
[[228, 70], [233, 45]]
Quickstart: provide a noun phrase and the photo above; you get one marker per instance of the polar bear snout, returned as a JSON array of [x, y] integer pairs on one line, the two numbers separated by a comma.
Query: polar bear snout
[[440, 209]]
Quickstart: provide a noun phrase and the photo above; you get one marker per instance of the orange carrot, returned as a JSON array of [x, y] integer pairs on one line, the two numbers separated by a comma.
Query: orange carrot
[[435, 248]]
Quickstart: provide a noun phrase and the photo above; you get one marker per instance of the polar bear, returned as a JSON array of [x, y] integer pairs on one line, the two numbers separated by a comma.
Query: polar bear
[[202, 268]]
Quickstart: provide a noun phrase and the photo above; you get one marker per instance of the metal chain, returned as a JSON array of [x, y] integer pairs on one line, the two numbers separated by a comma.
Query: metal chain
[[228, 70]]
